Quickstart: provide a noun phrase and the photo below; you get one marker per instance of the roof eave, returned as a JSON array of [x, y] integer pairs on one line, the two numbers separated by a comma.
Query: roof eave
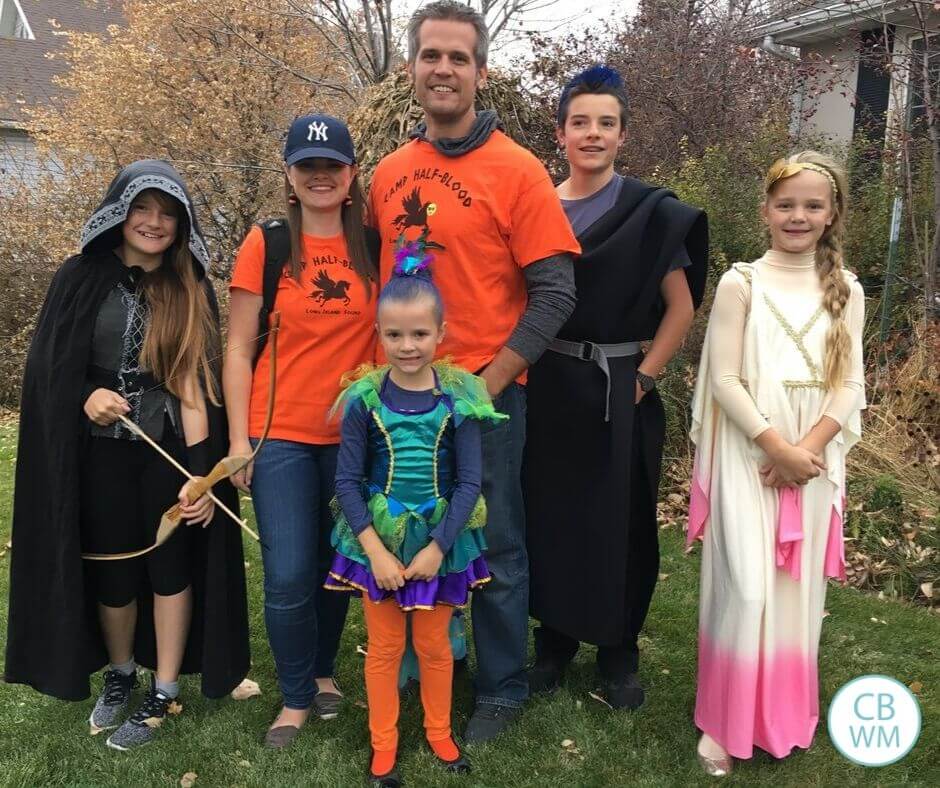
[[831, 21]]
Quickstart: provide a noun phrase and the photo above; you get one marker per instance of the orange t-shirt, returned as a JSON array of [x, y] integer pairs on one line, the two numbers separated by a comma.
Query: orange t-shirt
[[327, 328], [484, 216]]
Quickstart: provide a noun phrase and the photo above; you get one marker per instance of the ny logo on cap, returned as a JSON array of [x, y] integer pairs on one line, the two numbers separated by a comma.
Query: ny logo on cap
[[318, 131]]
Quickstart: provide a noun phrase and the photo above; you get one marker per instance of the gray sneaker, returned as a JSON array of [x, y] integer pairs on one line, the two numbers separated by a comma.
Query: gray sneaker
[[141, 727], [112, 701]]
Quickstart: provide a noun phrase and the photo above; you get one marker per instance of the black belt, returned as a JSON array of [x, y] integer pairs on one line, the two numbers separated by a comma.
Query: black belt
[[133, 382]]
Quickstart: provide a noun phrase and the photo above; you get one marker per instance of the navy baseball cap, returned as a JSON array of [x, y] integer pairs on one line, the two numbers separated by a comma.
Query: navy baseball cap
[[318, 137]]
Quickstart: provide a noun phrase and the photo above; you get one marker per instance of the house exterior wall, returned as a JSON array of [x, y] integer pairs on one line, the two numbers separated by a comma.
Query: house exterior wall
[[825, 102], [19, 161]]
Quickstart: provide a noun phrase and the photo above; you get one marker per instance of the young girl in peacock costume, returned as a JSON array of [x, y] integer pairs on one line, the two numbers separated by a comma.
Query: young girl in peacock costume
[[409, 514]]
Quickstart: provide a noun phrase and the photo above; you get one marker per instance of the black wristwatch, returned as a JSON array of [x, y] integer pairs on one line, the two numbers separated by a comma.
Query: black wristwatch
[[646, 382]]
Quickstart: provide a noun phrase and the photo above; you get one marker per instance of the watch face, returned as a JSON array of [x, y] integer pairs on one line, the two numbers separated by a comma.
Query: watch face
[[646, 382]]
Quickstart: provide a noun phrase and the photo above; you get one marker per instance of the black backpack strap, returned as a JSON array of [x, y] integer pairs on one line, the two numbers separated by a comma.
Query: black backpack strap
[[373, 245], [276, 255]]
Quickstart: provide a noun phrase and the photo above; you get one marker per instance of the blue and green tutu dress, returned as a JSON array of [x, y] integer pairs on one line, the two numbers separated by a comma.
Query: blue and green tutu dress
[[410, 478]]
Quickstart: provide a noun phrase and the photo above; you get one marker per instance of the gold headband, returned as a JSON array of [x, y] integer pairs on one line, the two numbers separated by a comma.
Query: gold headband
[[782, 169]]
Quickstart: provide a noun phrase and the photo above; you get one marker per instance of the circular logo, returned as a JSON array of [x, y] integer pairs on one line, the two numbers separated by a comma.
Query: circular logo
[[874, 720], [432, 209]]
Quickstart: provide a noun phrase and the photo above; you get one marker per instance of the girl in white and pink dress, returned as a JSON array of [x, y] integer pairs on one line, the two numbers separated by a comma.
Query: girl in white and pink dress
[[776, 408]]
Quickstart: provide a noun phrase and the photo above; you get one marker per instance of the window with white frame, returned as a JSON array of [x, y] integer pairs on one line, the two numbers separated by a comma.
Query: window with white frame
[[917, 102], [13, 23]]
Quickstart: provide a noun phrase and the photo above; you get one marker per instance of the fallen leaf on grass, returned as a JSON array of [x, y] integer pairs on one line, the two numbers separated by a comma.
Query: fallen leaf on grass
[[188, 780], [665, 672], [570, 749], [244, 764], [925, 588], [361, 704], [599, 699], [663, 575], [361, 650], [247, 689], [915, 687], [825, 614], [94, 730], [247, 565], [154, 722], [174, 708]]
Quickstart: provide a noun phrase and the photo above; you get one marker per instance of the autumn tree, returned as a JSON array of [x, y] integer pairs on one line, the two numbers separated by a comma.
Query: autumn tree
[[693, 77], [171, 84]]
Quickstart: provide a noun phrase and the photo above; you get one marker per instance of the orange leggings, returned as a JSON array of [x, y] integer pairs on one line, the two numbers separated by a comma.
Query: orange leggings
[[385, 624]]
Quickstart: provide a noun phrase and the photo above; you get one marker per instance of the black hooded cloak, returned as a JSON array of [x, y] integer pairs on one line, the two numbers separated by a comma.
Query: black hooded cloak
[[591, 486], [53, 640]]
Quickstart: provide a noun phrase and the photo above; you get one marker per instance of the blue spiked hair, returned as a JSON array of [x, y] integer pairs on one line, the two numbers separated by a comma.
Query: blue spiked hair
[[596, 80]]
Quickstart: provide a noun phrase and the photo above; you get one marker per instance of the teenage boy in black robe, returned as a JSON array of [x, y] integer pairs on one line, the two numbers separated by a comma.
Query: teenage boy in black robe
[[596, 425]]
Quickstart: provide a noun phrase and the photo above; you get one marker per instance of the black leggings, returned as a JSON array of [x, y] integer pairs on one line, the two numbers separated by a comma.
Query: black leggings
[[125, 488]]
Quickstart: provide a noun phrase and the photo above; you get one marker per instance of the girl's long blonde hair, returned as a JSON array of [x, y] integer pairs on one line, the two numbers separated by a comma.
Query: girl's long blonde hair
[[182, 338], [829, 263]]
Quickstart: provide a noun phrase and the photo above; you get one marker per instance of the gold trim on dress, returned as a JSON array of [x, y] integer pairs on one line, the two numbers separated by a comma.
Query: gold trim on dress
[[798, 336], [391, 451], [437, 446], [804, 384]]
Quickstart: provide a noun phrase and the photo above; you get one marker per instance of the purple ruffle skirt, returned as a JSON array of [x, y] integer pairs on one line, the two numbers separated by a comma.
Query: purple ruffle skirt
[[452, 589]]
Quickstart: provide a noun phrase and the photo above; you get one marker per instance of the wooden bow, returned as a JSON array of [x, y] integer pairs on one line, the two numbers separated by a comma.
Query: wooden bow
[[203, 485]]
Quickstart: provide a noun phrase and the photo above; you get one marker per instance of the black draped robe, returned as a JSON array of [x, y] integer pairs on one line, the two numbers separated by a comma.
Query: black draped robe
[[591, 486], [53, 637]]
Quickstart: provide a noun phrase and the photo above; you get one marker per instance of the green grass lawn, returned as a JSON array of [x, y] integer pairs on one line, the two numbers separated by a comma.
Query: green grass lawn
[[46, 742]]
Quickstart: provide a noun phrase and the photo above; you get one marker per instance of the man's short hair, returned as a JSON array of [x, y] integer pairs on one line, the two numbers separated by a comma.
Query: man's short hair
[[449, 11]]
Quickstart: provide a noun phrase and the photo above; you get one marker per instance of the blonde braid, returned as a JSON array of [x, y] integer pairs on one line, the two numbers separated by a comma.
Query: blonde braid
[[835, 297]]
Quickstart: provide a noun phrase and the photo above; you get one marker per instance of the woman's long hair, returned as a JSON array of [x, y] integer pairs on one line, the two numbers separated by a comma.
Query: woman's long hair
[[183, 337], [353, 217], [829, 267]]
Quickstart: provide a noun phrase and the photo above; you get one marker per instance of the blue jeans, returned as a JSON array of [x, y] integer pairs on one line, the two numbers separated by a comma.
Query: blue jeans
[[291, 489], [501, 609]]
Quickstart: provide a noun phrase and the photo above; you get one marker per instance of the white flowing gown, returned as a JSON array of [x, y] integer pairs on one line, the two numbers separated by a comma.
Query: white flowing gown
[[767, 552]]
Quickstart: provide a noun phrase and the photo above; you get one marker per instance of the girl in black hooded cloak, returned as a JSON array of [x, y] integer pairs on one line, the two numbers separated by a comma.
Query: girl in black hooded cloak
[[129, 328], [595, 422]]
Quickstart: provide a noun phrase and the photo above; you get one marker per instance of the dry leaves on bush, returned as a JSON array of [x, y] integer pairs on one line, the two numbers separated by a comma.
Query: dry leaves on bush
[[247, 689]]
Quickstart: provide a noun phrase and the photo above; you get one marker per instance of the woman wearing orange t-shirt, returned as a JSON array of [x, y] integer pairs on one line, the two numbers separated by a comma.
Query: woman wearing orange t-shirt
[[324, 295]]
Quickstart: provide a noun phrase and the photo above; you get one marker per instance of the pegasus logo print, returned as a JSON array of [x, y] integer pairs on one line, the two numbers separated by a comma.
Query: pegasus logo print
[[317, 132]]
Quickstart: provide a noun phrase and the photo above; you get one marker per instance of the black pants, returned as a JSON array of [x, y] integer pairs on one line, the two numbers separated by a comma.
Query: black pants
[[125, 488]]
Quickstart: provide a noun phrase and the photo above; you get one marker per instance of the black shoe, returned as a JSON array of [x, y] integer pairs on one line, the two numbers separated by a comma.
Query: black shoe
[[545, 676], [625, 693], [460, 764], [409, 688], [391, 778], [488, 721]]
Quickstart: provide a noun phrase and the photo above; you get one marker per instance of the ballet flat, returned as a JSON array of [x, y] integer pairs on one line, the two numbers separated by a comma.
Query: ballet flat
[[715, 767]]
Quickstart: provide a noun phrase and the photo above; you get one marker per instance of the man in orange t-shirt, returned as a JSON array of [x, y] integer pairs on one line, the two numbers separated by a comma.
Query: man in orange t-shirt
[[503, 261]]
